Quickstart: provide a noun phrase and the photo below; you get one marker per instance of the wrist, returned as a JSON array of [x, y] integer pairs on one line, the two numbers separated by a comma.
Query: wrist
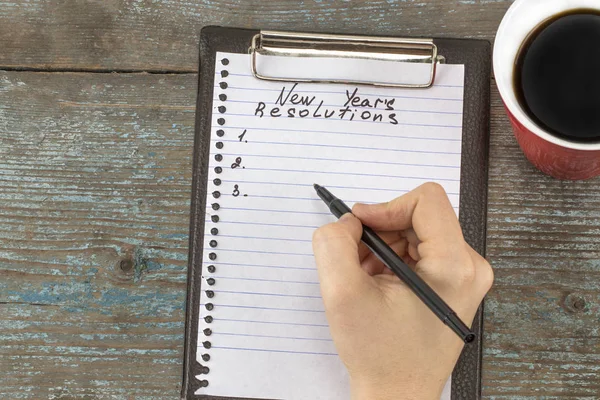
[[393, 391]]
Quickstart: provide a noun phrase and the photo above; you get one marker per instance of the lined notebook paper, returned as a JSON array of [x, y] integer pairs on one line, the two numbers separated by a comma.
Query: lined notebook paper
[[262, 326]]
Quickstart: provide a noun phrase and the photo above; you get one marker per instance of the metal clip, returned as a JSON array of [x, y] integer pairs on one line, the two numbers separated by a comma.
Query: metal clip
[[294, 44]]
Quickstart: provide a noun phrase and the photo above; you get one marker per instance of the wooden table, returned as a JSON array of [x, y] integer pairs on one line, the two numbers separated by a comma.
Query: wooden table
[[96, 125]]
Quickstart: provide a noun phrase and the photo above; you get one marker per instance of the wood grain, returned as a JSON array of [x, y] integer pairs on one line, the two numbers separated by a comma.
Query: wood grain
[[150, 35], [542, 336], [95, 174], [94, 187]]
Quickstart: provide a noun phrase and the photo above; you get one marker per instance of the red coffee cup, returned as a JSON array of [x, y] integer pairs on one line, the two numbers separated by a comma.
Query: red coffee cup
[[555, 156]]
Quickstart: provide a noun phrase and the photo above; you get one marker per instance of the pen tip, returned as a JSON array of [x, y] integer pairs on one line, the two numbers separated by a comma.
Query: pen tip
[[317, 187]]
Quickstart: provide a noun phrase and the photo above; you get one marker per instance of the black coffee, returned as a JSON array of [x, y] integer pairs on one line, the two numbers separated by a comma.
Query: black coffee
[[557, 76]]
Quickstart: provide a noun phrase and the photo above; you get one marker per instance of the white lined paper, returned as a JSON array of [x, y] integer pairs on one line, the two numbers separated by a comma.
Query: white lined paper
[[270, 337]]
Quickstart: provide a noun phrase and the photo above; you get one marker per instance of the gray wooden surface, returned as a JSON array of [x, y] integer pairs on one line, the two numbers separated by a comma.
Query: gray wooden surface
[[96, 129]]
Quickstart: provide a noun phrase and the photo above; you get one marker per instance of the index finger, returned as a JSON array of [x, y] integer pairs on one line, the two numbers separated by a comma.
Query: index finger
[[426, 209]]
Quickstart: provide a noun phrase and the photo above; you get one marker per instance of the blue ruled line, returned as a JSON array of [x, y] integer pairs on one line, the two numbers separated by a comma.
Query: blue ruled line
[[274, 351], [342, 93], [269, 336], [353, 174], [277, 211], [265, 224], [261, 266], [270, 322], [341, 106], [340, 133], [339, 160], [252, 76], [264, 280], [302, 198], [328, 186], [266, 308], [356, 120], [266, 238], [268, 294], [268, 252], [341, 147]]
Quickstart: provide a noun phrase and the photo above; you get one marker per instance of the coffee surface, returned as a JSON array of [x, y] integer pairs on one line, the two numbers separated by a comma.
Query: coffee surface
[[558, 76]]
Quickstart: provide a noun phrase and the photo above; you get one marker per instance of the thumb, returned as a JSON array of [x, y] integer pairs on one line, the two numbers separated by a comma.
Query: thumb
[[336, 253]]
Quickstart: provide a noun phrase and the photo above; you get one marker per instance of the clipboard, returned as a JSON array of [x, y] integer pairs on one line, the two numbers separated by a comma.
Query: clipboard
[[474, 54]]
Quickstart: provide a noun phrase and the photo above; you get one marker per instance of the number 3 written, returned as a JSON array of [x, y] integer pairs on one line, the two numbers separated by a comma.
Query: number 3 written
[[236, 191]]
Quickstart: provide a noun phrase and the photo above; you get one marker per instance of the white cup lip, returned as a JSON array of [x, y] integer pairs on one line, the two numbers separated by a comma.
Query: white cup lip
[[521, 18]]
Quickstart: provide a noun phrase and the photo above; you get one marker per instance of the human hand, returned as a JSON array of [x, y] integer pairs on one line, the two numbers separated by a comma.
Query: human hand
[[393, 346]]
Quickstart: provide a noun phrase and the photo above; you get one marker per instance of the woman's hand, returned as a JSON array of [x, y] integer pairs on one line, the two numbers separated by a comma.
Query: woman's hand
[[393, 346]]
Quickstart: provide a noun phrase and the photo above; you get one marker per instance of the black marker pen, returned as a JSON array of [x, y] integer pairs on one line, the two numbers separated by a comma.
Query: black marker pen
[[389, 257]]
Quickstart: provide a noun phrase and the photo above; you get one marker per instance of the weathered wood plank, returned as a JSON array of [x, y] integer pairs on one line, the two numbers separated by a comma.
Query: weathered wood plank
[[542, 336], [95, 174], [152, 35], [94, 180]]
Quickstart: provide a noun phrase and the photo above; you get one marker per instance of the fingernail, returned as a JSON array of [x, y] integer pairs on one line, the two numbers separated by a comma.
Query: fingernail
[[361, 206], [346, 218]]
